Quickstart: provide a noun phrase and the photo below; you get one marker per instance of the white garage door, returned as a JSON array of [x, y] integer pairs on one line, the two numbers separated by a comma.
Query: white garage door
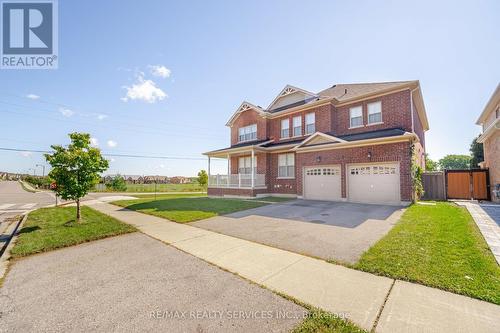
[[322, 183], [374, 183]]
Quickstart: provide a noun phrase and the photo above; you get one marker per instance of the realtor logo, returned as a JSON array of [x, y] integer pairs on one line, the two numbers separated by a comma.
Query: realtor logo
[[29, 34]]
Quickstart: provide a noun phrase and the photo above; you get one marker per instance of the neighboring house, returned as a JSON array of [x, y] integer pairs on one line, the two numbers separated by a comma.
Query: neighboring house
[[180, 180], [490, 121], [350, 142], [133, 179]]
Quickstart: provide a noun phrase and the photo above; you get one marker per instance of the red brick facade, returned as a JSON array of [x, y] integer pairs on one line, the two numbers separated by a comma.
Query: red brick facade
[[396, 113]]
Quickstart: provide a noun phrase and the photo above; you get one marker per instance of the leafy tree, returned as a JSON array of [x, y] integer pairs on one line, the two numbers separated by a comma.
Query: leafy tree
[[430, 165], [450, 162], [76, 168], [477, 153], [203, 178], [117, 184]]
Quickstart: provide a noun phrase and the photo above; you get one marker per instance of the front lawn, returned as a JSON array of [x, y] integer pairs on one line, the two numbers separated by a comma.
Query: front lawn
[[275, 199], [439, 246], [51, 228], [185, 209]]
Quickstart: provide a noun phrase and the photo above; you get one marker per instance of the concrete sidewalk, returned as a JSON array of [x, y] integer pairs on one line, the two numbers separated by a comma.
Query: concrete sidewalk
[[370, 301]]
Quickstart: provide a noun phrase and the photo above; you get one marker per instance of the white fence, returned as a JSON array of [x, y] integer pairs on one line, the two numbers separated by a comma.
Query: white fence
[[237, 181]]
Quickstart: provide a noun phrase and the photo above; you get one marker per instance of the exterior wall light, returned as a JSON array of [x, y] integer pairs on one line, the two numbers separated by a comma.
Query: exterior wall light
[[318, 159]]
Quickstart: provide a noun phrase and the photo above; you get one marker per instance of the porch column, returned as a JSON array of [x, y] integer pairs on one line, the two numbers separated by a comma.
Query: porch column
[[252, 166], [228, 165]]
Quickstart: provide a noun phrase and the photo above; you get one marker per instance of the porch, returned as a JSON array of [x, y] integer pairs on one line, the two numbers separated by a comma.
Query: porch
[[243, 172]]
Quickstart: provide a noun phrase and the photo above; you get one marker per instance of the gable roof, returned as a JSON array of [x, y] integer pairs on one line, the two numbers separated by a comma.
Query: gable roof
[[288, 90], [322, 137], [490, 106], [350, 91], [337, 94], [244, 106]]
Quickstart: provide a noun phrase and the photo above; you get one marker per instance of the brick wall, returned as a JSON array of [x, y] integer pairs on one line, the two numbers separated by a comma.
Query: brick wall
[[219, 192], [322, 115], [246, 118], [395, 113], [395, 152], [276, 185], [492, 159]]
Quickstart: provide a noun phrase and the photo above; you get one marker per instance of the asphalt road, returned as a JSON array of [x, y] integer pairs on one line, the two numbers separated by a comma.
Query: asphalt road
[[14, 200], [135, 283]]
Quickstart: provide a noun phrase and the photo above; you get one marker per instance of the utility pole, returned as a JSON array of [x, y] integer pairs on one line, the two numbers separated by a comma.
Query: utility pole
[[43, 169]]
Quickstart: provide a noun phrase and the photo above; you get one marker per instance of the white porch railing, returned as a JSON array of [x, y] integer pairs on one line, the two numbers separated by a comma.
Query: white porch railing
[[237, 180]]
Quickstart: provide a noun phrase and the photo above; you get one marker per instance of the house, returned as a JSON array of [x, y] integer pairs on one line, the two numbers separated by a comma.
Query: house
[[349, 142], [490, 122], [179, 180]]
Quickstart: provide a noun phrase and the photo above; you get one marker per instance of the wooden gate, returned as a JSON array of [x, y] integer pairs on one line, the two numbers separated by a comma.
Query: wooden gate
[[467, 184], [434, 185]]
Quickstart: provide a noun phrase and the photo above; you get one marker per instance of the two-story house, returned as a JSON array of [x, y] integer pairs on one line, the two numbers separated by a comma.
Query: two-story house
[[349, 142], [490, 122]]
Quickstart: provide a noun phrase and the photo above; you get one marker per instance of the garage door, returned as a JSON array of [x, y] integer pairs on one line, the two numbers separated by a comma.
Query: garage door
[[374, 183], [322, 183]]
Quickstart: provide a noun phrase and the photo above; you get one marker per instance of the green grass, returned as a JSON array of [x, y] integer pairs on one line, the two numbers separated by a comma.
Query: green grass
[[274, 199], [319, 321], [160, 188], [170, 195], [52, 228], [439, 246], [183, 210]]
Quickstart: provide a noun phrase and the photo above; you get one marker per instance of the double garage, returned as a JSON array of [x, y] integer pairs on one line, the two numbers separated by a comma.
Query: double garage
[[365, 183]]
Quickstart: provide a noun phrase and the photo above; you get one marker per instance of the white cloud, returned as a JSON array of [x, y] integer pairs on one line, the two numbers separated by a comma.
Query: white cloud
[[159, 70], [111, 143], [102, 116], [32, 96], [66, 112], [111, 160], [144, 90], [26, 153], [94, 142]]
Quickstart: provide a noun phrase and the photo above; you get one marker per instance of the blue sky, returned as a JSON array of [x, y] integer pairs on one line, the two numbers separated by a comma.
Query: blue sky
[[221, 53]]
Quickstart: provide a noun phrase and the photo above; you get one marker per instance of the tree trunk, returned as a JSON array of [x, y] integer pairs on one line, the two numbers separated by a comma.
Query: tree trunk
[[78, 210]]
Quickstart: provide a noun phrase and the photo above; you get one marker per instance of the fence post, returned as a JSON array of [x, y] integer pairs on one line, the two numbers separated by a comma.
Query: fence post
[[239, 180]]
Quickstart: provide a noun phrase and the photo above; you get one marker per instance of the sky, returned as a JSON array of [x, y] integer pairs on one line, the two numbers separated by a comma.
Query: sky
[[162, 78]]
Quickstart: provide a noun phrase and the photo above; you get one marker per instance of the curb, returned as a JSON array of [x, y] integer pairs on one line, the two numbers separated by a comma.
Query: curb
[[5, 251]]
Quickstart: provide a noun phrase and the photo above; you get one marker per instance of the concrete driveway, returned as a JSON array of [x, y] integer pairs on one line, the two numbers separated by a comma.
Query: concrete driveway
[[339, 231], [134, 283]]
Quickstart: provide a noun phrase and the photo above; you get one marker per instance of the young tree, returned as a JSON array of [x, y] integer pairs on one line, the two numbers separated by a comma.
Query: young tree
[[477, 153], [117, 183], [76, 168], [430, 165], [203, 178], [450, 162]]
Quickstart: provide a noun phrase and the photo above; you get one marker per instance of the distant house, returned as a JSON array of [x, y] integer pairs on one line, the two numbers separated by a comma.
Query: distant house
[[180, 180], [155, 179], [490, 122], [133, 179]]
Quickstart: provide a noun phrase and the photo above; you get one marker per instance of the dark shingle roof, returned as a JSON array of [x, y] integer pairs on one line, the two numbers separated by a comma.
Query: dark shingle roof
[[371, 135]]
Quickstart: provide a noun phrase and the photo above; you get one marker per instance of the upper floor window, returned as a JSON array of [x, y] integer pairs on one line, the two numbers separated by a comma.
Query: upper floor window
[[285, 128], [286, 166], [310, 123], [297, 126], [247, 133], [356, 116], [375, 113], [245, 165]]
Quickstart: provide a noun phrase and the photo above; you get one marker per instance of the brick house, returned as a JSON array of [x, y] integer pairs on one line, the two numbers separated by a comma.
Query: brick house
[[490, 122], [350, 142]]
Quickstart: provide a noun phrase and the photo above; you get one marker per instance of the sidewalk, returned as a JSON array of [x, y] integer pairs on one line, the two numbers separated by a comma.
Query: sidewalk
[[486, 223], [370, 301]]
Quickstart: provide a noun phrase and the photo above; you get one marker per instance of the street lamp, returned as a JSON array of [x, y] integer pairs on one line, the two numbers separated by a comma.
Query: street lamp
[[43, 166]]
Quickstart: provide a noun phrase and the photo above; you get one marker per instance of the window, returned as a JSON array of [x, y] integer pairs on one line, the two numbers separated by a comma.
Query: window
[[247, 133], [356, 116], [286, 166], [297, 126], [245, 165], [310, 123], [498, 113], [285, 128], [375, 113]]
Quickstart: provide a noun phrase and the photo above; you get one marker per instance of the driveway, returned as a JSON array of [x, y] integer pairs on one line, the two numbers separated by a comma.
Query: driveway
[[339, 231], [134, 283]]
